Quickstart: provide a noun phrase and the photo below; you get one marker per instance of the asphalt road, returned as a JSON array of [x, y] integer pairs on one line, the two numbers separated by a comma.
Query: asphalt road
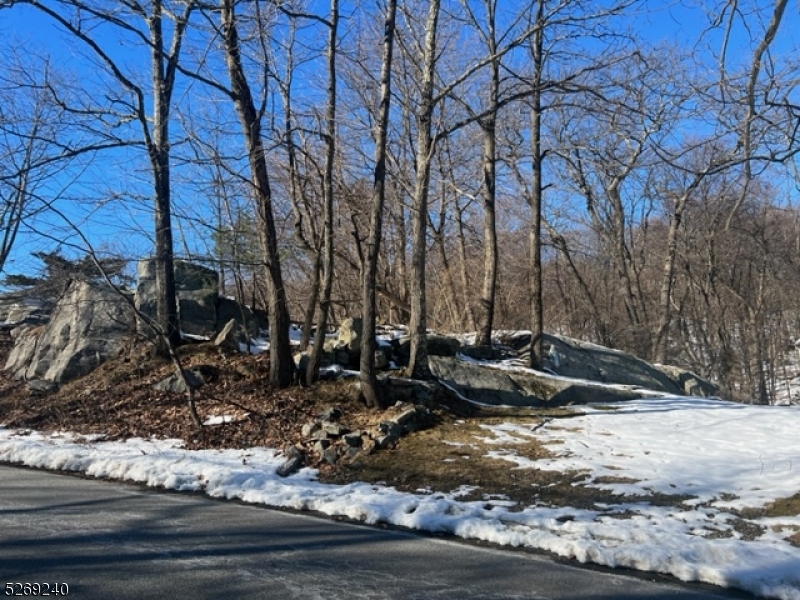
[[109, 541]]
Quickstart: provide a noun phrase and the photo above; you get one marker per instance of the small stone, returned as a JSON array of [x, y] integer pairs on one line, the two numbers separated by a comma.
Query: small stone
[[330, 455], [390, 428], [175, 383], [295, 460], [228, 337], [292, 451], [353, 439], [40, 386], [309, 429], [321, 446], [406, 416], [331, 414], [368, 445], [334, 429], [387, 441]]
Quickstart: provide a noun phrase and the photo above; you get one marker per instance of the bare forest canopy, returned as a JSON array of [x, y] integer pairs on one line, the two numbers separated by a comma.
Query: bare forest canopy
[[613, 171]]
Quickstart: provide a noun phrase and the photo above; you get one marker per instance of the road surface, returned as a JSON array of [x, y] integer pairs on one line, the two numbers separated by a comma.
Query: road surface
[[110, 540]]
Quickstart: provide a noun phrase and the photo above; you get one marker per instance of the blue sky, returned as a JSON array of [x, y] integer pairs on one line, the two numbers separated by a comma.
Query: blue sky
[[125, 226]]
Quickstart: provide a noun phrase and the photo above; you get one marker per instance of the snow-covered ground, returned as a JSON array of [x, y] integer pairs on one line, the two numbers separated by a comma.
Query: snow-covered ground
[[727, 456]]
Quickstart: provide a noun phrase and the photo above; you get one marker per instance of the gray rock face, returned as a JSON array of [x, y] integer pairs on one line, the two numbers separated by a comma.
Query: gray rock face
[[89, 324], [437, 345], [86, 326], [247, 320], [691, 383], [493, 386], [583, 360], [146, 293], [16, 311], [196, 289], [350, 335]]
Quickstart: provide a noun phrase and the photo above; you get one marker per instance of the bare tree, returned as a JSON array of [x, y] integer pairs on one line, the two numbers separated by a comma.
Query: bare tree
[[498, 43], [250, 117], [27, 138], [367, 366], [746, 142], [305, 226], [430, 97], [330, 155], [556, 25], [537, 187], [418, 362], [152, 116]]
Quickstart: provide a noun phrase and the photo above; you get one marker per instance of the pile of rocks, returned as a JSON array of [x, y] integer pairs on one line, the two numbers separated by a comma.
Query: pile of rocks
[[328, 438]]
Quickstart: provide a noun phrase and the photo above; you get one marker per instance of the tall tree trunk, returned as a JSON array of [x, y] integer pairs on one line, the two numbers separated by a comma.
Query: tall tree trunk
[[665, 294], [418, 367], [158, 149], [281, 364], [537, 303], [665, 297], [450, 292], [461, 240], [488, 128], [311, 305], [330, 155], [369, 383], [297, 197]]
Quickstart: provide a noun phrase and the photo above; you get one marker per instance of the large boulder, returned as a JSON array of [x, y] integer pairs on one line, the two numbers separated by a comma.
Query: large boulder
[[583, 360], [350, 332], [690, 383], [492, 385], [247, 320], [89, 324], [437, 345], [146, 297], [196, 289]]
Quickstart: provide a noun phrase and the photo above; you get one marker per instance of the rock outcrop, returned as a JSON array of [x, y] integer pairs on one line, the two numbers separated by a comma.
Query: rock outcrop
[[16, 311], [690, 383], [493, 385], [90, 320], [248, 321], [196, 289], [577, 359], [89, 324], [575, 372], [583, 360]]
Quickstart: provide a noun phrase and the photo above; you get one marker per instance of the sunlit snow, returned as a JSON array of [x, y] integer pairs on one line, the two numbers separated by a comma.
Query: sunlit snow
[[723, 457]]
